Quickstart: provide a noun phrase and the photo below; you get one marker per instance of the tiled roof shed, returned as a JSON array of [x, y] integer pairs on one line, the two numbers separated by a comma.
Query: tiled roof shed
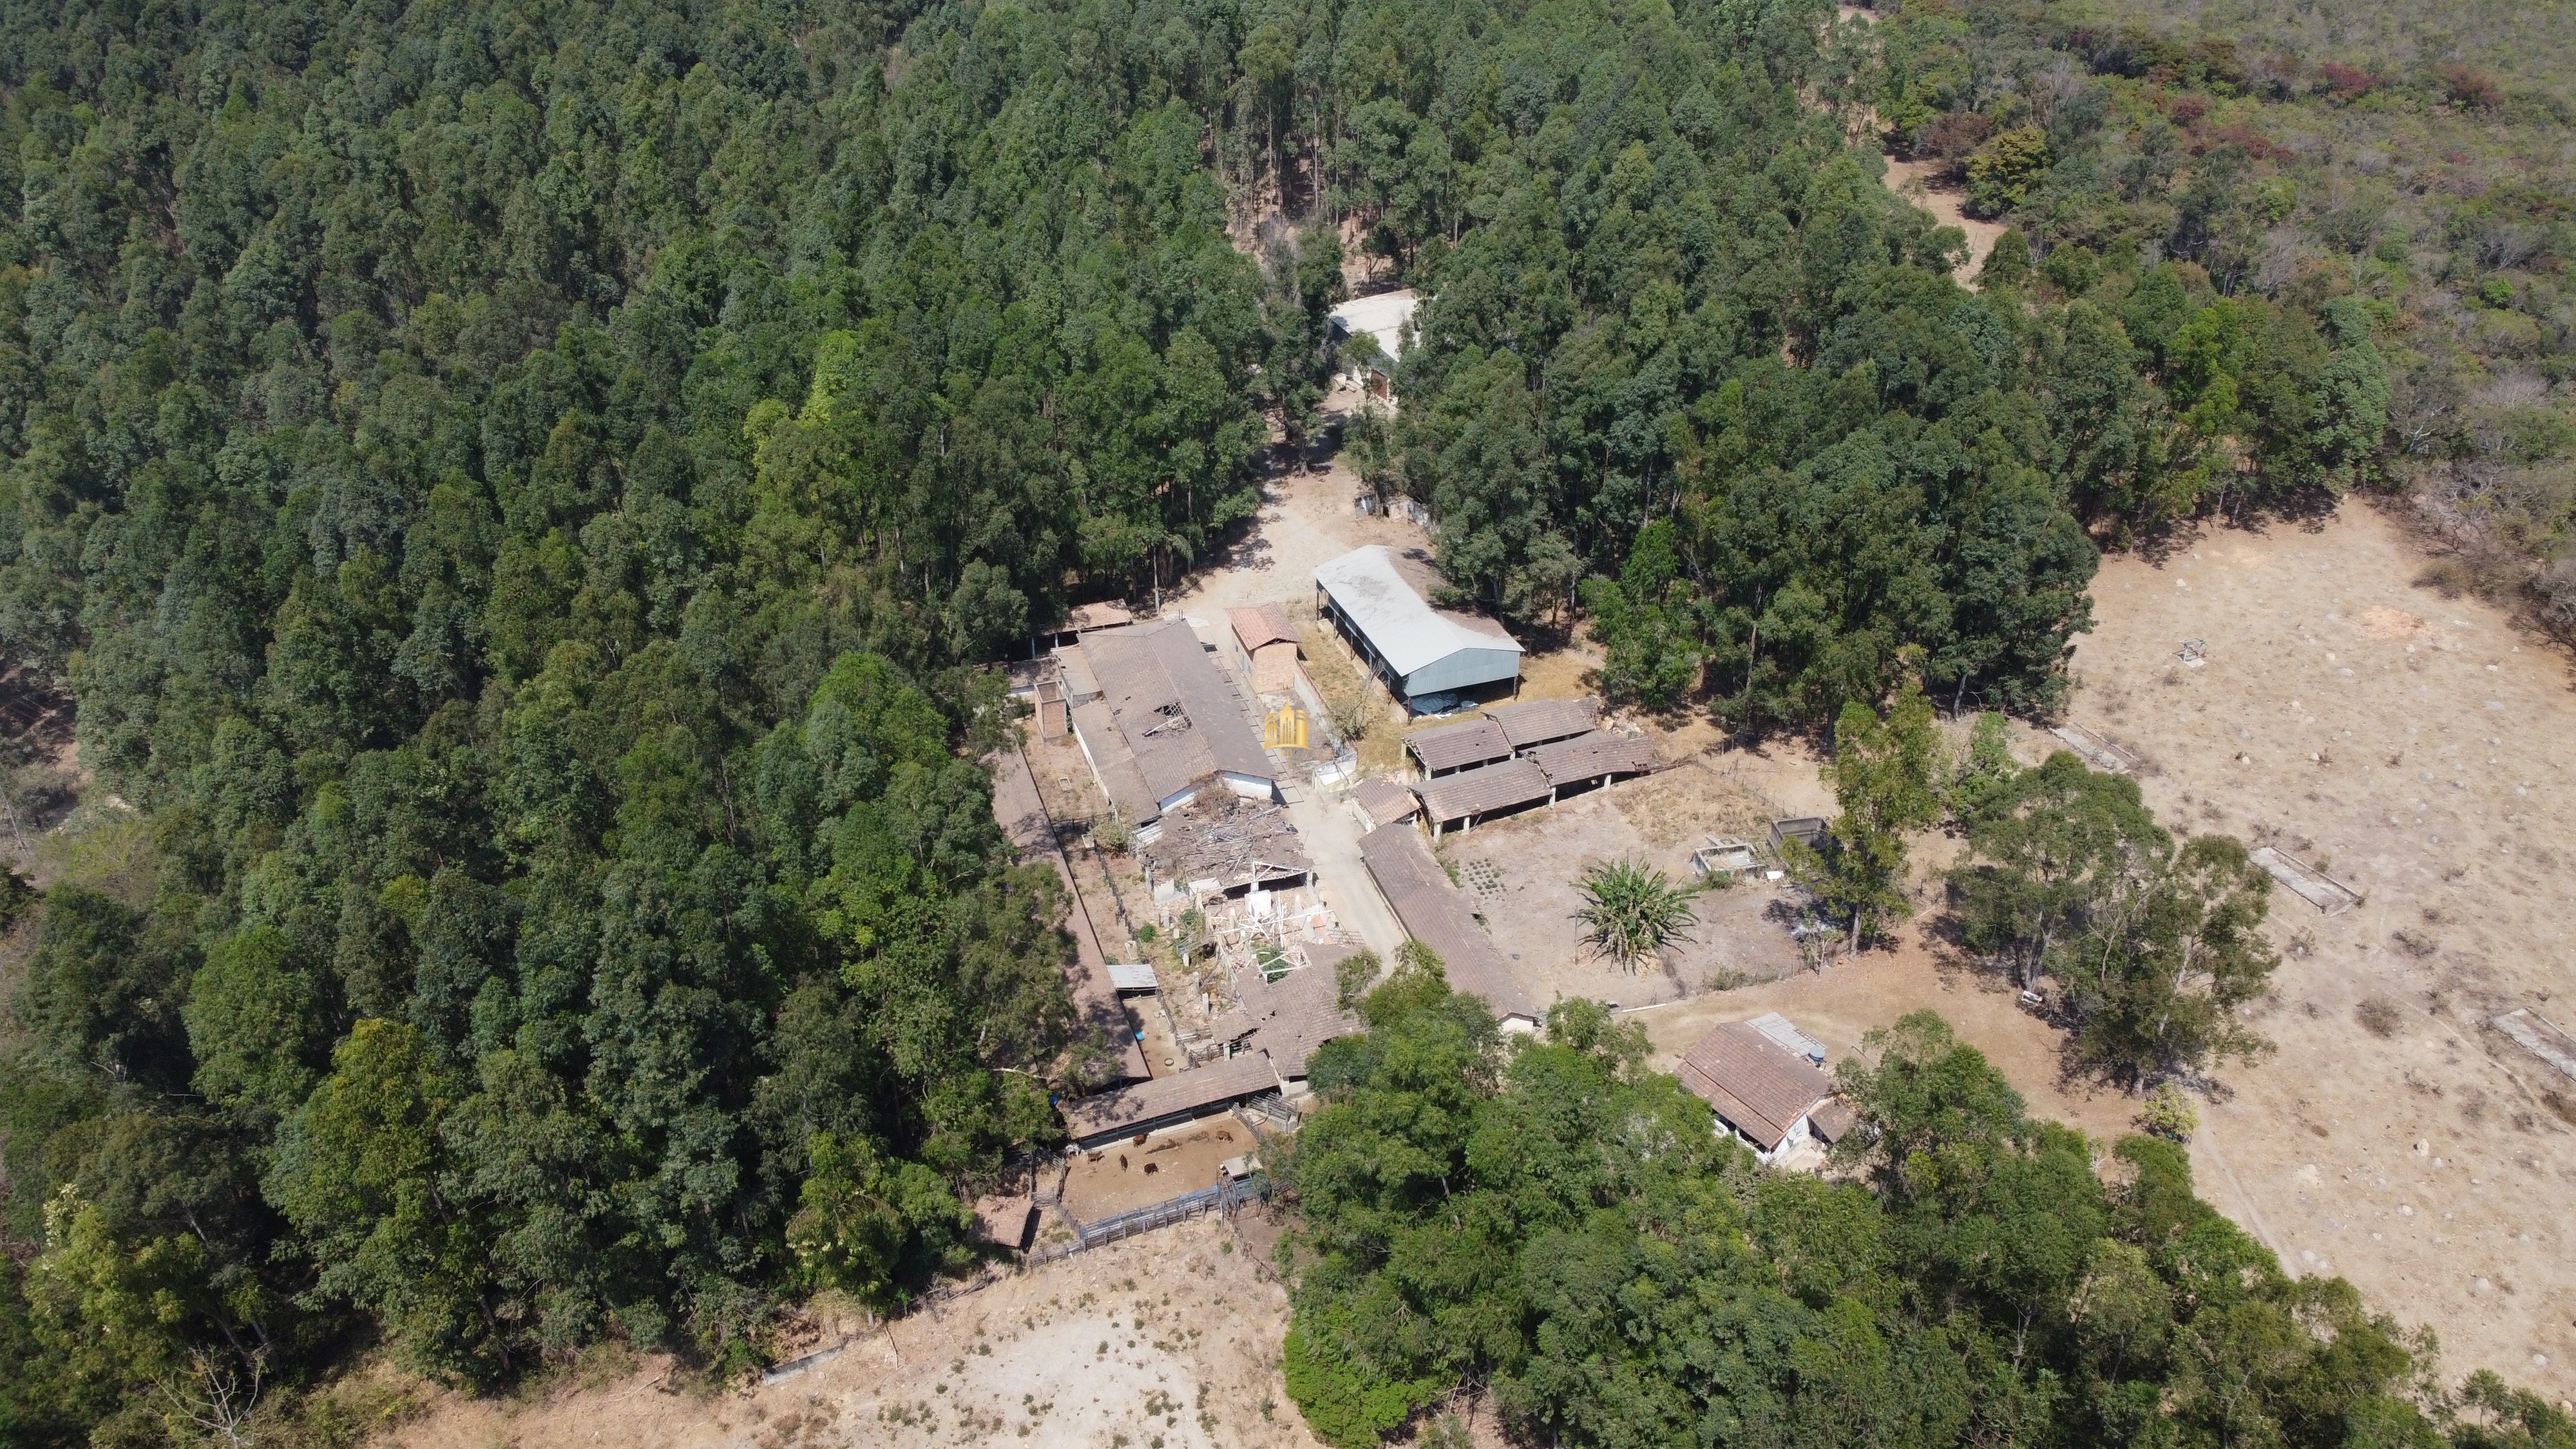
[[1758, 1086], [1269, 645], [1458, 746], [1472, 793], [1165, 1101], [1297, 1013], [1595, 756], [1385, 802], [1434, 912], [1537, 721]]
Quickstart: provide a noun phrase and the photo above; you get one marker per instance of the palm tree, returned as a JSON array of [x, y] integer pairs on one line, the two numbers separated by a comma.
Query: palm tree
[[1632, 911]]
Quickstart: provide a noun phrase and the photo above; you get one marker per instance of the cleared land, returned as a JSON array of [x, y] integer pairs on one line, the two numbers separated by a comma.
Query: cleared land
[[1171, 1337], [2416, 748]]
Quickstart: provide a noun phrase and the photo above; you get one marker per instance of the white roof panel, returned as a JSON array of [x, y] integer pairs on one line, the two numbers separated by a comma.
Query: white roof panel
[[1778, 1028], [1382, 317], [1412, 635], [1132, 976]]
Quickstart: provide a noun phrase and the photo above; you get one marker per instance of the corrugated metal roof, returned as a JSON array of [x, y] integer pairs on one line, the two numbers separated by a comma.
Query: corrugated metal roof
[[1450, 747], [1400, 623], [1179, 717], [1753, 1082], [1589, 757], [1779, 1029], [1435, 913], [1140, 1106], [1536, 721], [1477, 792]]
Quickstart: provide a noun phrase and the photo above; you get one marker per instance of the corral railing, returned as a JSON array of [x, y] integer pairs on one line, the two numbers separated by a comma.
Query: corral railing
[[1221, 1199]]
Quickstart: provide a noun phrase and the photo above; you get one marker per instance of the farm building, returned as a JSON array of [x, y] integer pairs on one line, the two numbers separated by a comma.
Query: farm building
[[1451, 748], [1384, 802], [1436, 913], [1429, 658], [1289, 1018], [1539, 776], [1265, 647], [1165, 723], [1529, 723], [1381, 319], [1169, 1101], [1772, 1096]]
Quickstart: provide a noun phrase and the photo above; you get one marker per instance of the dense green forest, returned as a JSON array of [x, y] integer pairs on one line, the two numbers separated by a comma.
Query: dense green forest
[[520, 497], [1555, 1225]]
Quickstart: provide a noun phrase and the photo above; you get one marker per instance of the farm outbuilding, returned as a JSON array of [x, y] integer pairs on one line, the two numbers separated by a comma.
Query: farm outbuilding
[[1382, 319], [1773, 1096], [1265, 647], [1435, 912], [1428, 658], [1165, 723]]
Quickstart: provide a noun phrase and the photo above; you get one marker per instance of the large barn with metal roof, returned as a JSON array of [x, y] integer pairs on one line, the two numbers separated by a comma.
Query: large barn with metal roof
[[1431, 659]]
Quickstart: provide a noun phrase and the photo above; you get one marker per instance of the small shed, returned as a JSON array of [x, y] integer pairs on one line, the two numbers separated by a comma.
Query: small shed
[[1807, 830], [1384, 802], [1422, 654], [1265, 647], [1133, 978], [1529, 723], [1468, 796], [1451, 748], [1591, 759]]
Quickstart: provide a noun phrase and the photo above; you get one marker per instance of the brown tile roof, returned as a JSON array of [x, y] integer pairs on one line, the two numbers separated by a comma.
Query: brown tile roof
[[1108, 615], [1476, 792], [1141, 1106], [1260, 625], [1386, 802], [1291, 1017], [1179, 717], [1435, 913], [1223, 837], [1591, 756], [1753, 1082], [1832, 1120], [1451, 746], [1536, 721]]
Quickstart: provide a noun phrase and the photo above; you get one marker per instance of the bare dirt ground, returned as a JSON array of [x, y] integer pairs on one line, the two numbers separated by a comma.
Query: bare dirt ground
[[1522, 871], [1184, 1160], [1171, 1338], [2417, 748], [1917, 182]]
